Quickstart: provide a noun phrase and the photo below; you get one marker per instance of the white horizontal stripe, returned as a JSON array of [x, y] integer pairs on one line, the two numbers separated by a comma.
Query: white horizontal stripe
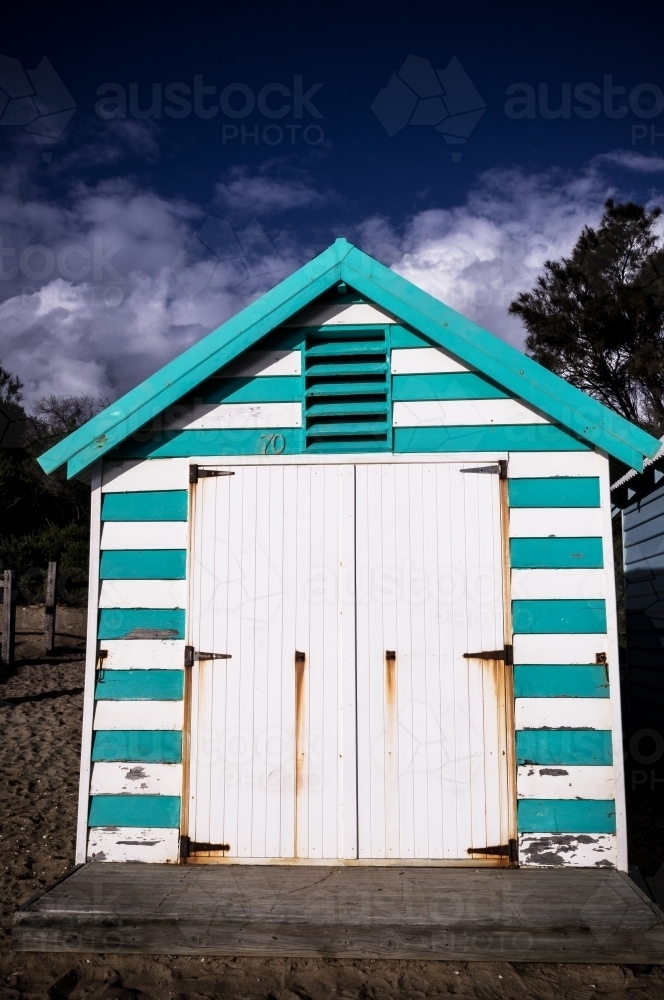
[[144, 535], [143, 594], [113, 778], [463, 412], [525, 464], [213, 416], [562, 713], [138, 715], [424, 361], [558, 522], [569, 782], [558, 584], [143, 654], [146, 474], [131, 843], [260, 363], [353, 458], [338, 314], [555, 850], [573, 648]]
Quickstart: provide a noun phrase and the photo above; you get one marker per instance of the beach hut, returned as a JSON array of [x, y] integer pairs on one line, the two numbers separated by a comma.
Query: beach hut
[[351, 594], [639, 499]]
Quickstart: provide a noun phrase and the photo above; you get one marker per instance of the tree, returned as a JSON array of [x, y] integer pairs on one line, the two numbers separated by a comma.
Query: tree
[[11, 387], [597, 317], [53, 417], [43, 517]]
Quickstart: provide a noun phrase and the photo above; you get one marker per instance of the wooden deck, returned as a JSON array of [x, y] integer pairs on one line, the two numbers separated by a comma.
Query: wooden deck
[[580, 915]]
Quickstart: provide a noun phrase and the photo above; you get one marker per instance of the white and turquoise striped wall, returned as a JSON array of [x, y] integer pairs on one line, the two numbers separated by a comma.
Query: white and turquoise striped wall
[[567, 713]]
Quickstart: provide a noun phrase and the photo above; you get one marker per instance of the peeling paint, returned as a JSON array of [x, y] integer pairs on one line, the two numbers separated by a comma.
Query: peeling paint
[[136, 774], [139, 843], [151, 633], [553, 771], [568, 849]]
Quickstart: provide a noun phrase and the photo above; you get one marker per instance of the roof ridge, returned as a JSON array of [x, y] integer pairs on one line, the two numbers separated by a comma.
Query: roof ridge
[[540, 388]]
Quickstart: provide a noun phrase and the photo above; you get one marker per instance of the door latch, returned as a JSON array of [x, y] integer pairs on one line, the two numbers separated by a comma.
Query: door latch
[[191, 655], [196, 473], [506, 654]]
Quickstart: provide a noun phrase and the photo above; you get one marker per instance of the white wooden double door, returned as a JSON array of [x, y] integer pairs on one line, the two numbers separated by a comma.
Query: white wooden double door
[[347, 723]]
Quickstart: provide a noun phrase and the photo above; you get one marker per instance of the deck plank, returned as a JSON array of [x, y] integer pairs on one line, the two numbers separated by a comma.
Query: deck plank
[[350, 912]]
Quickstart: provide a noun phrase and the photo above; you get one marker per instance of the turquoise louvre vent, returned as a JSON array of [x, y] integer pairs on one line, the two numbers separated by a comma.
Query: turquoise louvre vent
[[347, 389]]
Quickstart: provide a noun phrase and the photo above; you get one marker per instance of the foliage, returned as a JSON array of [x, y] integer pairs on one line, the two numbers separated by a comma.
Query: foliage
[[597, 317], [11, 387], [29, 554], [44, 518]]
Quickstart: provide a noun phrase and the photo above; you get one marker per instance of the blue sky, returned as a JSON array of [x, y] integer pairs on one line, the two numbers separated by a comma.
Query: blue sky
[[161, 168]]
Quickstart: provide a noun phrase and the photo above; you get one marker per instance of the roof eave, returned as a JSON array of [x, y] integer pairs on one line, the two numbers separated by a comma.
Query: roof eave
[[544, 390], [170, 383]]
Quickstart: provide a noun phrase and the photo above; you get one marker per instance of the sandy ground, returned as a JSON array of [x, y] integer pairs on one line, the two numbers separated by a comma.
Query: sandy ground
[[40, 711]]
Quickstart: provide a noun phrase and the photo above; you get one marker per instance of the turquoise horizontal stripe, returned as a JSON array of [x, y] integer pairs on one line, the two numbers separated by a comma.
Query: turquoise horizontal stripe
[[143, 564], [443, 386], [564, 746], [570, 491], [346, 446], [535, 617], [566, 816], [400, 337], [511, 437], [182, 444], [135, 810], [146, 746], [560, 681], [556, 553], [139, 685], [160, 505], [141, 623], [263, 389]]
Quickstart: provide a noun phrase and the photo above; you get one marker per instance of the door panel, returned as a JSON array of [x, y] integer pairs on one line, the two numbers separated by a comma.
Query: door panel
[[272, 770], [431, 740], [297, 757]]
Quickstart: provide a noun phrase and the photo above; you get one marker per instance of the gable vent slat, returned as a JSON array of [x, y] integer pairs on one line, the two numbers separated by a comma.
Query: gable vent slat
[[347, 390]]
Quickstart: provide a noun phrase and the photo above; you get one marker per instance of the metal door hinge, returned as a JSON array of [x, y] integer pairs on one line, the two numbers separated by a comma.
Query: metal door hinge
[[188, 847], [196, 473], [506, 654], [499, 851], [191, 655], [498, 469]]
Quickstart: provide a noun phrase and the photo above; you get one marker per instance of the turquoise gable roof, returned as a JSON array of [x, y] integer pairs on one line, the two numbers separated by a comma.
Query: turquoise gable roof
[[518, 374]]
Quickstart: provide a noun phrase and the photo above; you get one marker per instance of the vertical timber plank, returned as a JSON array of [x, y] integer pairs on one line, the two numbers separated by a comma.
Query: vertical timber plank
[[614, 669], [8, 619], [90, 666], [49, 610]]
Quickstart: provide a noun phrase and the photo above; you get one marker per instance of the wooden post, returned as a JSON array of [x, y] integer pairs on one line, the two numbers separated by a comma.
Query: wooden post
[[8, 620], [49, 611]]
